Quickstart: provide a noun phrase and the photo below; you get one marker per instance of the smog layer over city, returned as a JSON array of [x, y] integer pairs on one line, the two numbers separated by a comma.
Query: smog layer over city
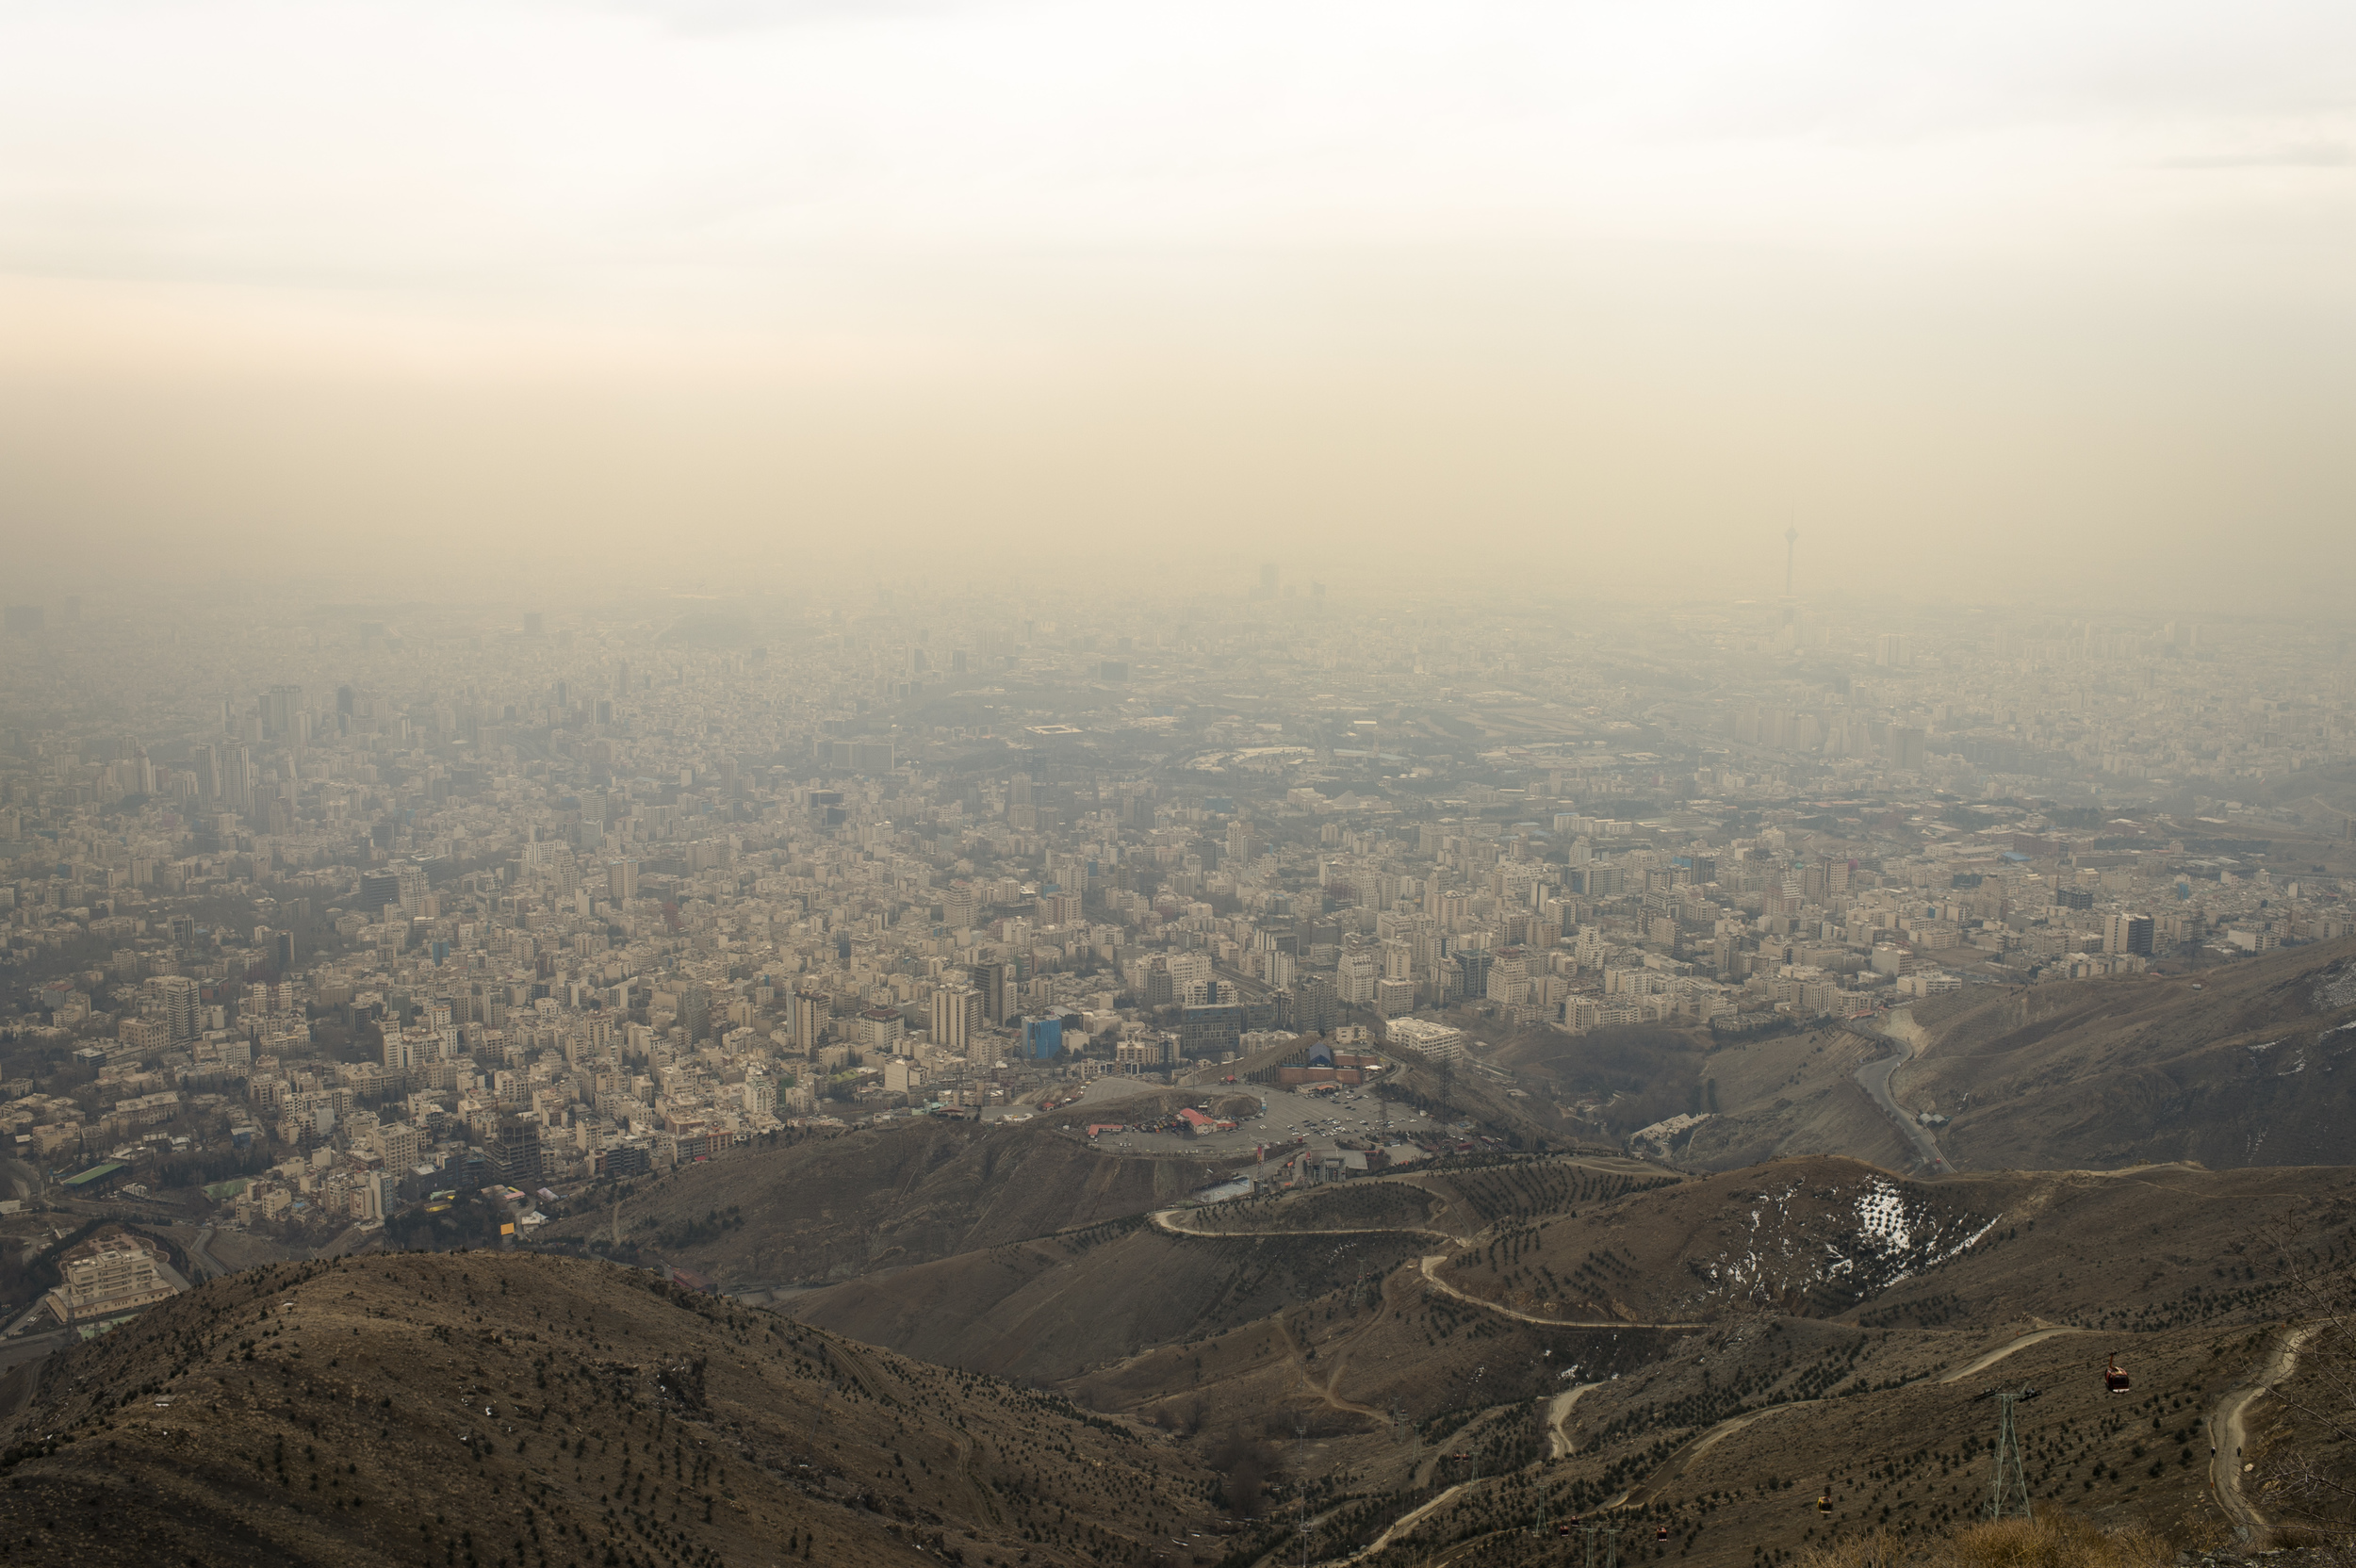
[[1018, 784]]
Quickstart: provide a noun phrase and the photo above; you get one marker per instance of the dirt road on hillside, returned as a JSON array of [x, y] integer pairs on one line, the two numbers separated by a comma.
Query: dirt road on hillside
[[2003, 1350], [1166, 1220], [1681, 1460], [1432, 1279], [2226, 1430], [1559, 1410]]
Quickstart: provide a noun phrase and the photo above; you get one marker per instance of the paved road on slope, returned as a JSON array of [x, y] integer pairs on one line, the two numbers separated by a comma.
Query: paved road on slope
[[1873, 1078], [2226, 1429]]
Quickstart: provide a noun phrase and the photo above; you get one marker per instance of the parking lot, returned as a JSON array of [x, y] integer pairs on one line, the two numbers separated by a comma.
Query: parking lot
[[1321, 1120]]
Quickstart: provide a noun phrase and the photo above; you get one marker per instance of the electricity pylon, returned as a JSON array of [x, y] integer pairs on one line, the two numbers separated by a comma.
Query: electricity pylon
[[2008, 1478]]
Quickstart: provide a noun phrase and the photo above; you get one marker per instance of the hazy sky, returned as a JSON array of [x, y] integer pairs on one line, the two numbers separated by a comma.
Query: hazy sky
[[2000, 299]]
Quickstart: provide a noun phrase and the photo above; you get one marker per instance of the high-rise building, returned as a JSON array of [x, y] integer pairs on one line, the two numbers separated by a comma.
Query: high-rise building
[[178, 1001], [515, 1155], [1315, 1008], [621, 880], [808, 1011], [957, 1013], [280, 704], [989, 978], [378, 889], [1042, 1037], [1210, 1034], [1354, 979], [237, 779], [882, 1031], [2126, 933]]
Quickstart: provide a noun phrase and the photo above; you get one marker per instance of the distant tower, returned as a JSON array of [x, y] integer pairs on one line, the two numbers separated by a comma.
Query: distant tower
[[1790, 610]]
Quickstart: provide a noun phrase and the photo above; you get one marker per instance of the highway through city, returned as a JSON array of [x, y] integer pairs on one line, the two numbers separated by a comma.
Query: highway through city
[[201, 1258]]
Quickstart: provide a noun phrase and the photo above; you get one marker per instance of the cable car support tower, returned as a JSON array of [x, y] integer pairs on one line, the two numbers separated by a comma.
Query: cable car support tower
[[2008, 1479]]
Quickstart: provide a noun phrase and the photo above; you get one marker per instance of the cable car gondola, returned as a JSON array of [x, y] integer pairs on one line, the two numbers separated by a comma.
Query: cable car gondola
[[1661, 1534], [1823, 1502], [2113, 1379]]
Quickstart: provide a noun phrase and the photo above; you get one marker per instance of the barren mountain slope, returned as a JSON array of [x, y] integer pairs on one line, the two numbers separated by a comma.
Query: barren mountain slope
[[1790, 1095], [485, 1408], [2255, 1068], [1835, 1238], [832, 1208]]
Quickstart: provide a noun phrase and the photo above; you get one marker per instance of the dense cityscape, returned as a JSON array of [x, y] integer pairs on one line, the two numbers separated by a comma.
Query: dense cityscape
[[340, 915], [1035, 784]]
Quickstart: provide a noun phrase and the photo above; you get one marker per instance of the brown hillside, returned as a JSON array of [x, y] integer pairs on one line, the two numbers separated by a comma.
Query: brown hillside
[[2159, 1265], [832, 1208], [482, 1409], [1055, 1307], [2254, 1068], [1834, 1238], [1051, 1309], [1789, 1095]]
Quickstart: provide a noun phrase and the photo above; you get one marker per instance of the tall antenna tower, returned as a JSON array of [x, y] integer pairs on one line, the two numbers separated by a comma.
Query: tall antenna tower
[[1791, 557], [2008, 1479]]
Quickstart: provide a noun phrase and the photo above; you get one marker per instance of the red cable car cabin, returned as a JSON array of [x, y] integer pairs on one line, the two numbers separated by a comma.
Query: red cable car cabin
[[1661, 1534], [2113, 1379]]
